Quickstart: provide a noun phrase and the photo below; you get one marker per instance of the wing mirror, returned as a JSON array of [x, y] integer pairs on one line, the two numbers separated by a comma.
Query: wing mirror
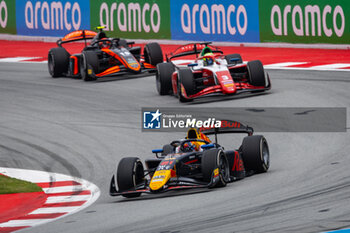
[[234, 59], [192, 64], [157, 151], [207, 146]]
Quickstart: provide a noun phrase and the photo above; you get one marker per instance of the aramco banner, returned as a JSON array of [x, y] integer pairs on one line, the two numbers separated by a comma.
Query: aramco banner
[[305, 21]]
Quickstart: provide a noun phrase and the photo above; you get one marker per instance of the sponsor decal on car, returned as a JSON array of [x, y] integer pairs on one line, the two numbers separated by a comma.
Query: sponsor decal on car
[[159, 179], [216, 172]]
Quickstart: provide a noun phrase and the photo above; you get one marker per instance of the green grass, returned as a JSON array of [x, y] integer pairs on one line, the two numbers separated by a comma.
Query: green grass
[[12, 185]]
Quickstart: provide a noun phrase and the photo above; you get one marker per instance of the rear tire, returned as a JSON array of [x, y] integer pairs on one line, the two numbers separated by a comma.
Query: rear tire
[[235, 55], [212, 159], [89, 66], [163, 78], [58, 62], [153, 53], [256, 73], [255, 154], [185, 77], [130, 173]]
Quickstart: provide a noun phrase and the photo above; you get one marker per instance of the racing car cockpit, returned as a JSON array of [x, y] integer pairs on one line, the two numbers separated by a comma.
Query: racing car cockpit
[[100, 40], [193, 142], [193, 133], [103, 42], [208, 56]]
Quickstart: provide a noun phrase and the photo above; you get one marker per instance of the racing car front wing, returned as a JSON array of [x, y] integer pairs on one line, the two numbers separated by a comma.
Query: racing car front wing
[[217, 90]]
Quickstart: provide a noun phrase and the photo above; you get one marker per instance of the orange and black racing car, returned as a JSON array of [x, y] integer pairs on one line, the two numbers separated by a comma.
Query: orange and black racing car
[[193, 162], [103, 57]]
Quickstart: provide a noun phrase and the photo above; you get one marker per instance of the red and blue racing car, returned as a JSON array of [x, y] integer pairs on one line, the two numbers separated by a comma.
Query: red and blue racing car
[[192, 162]]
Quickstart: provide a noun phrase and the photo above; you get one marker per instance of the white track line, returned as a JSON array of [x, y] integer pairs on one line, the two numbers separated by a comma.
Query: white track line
[[304, 68], [48, 177], [62, 199], [283, 64], [63, 189], [17, 59], [21, 223], [331, 66], [36, 176], [53, 210]]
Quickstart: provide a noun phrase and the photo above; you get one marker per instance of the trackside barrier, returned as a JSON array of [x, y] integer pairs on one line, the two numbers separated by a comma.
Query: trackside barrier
[[8, 16], [232, 21], [305, 21]]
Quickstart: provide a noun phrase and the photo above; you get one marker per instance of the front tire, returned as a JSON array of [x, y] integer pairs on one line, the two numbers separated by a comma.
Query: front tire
[[212, 159], [255, 154], [163, 78], [256, 73], [130, 173], [89, 66], [185, 77], [58, 62], [153, 53]]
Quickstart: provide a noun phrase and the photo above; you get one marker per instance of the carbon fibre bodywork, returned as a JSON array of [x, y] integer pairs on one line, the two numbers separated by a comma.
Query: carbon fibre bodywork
[[224, 75], [103, 57], [205, 165]]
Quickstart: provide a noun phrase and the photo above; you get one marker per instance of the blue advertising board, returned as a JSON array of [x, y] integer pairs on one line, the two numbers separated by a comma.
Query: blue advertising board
[[51, 17], [215, 20]]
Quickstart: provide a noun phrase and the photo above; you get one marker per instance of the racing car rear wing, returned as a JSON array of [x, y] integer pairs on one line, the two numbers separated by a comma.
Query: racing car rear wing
[[77, 36], [227, 126], [191, 49]]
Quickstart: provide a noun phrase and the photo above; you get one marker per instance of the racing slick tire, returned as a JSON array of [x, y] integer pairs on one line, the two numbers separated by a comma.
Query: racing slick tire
[[235, 55], [185, 77], [163, 78], [130, 173], [153, 53], [212, 159], [256, 73], [58, 62], [255, 154], [89, 66]]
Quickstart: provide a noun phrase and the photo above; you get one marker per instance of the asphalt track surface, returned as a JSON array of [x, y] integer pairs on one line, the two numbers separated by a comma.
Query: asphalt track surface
[[83, 129]]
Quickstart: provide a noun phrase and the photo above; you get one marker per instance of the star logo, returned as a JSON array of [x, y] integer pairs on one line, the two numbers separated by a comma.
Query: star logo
[[156, 115], [152, 120]]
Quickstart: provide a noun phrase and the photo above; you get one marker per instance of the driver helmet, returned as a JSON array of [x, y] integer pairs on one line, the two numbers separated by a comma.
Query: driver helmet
[[207, 61], [186, 147], [106, 44]]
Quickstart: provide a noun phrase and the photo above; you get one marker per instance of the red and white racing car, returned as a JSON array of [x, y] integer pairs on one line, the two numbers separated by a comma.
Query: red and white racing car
[[211, 73]]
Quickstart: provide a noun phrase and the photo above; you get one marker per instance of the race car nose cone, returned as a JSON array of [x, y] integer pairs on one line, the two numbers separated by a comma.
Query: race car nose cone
[[159, 179]]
